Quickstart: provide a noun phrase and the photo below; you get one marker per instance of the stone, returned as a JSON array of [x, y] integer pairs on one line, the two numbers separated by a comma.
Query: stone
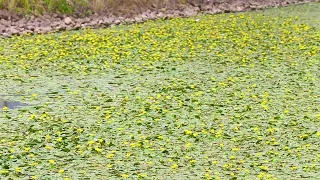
[[37, 30], [77, 26], [108, 20], [55, 23], [6, 34], [4, 14], [67, 20], [138, 19], [190, 12], [31, 28], [45, 23], [160, 15], [13, 30], [46, 29], [2, 28], [117, 21], [4, 22]]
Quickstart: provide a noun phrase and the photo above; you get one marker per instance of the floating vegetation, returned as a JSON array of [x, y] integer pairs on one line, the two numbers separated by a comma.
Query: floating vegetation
[[226, 96]]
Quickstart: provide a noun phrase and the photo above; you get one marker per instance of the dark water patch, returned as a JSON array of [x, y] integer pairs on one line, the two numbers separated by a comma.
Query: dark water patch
[[11, 104]]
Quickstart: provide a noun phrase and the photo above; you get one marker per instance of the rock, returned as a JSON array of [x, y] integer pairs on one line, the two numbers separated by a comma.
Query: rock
[[2, 28], [14, 17], [138, 19], [117, 21], [83, 26], [108, 21], [196, 9], [160, 15], [67, 20], [152, 15], [4, 22], [6, 34], [55, 24], [47, 17], [129, 20], [83, 21], [37, 30], [224, 7], [144, 16], [237, 7], [45, 23], [21, 23], [214, 11], [190, 12], [58, 16], [100, 22], [69, 28], [28, 31], [86, 20], [22, 32], [31, 28], [204, 7], [77, 26], [46, 29], [4, 14], [13, 30], [61, 28]]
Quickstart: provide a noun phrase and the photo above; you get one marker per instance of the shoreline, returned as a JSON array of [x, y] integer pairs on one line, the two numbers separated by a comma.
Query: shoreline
[[14, 25]]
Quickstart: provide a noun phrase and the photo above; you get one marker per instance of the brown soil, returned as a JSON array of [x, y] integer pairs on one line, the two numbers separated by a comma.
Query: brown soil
[[13, 24]]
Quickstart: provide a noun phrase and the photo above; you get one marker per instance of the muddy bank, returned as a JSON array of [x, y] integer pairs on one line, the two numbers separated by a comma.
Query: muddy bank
[[13, 24]]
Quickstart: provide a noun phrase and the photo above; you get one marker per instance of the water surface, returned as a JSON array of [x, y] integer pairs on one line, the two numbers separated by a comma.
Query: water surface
[[11, 104]]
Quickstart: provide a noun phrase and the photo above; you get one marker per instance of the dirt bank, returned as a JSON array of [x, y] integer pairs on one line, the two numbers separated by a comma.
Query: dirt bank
[[13, 24]]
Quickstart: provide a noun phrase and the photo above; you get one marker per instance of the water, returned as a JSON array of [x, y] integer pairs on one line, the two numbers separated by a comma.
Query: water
[[11, 104]]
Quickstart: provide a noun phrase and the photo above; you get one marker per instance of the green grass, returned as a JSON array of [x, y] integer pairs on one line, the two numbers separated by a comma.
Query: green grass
[[225, 96]]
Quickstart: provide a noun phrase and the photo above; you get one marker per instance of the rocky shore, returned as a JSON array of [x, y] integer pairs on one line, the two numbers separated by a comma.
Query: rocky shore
[[13, 24]]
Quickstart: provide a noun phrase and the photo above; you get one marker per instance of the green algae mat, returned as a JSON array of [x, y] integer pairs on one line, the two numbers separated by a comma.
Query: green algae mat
[[230, 96]]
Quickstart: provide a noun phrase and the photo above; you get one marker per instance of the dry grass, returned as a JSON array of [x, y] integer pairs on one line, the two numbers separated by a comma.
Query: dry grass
[[70, 6]]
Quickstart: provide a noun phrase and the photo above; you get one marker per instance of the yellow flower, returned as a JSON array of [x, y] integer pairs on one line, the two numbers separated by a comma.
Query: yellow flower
[[98, 150], [188, 132], [18, 170], [48, 147], [111, 155], [51, 161], [124, 175], [193, 161], [235, 149], [26, 149], [175, 166], [142, 175], [61, 171], [4, 172], [264, 168], [214, 162]]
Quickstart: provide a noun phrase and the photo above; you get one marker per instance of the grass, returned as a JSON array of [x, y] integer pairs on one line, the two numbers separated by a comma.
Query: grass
[[84, 6], [210, 97]]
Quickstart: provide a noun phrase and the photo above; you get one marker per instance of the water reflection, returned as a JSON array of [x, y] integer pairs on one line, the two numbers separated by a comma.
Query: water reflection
[[11, 104]]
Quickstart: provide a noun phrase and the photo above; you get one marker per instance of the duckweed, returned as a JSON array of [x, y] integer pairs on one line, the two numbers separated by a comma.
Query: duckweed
[[230, 96]]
